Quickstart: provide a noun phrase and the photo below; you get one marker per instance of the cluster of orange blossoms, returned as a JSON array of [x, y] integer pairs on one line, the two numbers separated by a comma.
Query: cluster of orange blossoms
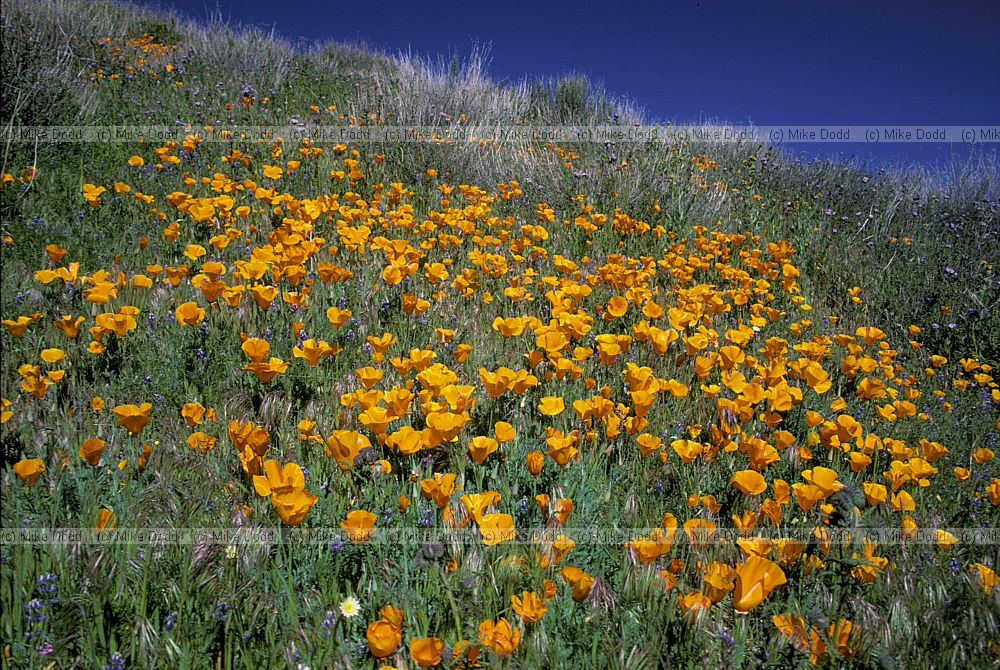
[[720, 318]]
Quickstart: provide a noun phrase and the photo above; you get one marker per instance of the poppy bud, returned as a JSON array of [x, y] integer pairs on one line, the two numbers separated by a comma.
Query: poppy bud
[[535, 461]]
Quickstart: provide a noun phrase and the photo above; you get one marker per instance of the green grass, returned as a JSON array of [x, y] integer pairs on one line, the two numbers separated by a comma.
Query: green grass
[[922, 249]]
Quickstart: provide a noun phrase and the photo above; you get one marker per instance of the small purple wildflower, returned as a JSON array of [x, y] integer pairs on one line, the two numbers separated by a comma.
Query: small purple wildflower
[[221, 612], [115, 662], [328, 623]]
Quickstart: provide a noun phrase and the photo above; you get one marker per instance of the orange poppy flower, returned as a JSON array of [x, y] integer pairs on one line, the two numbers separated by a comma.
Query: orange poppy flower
[[985, 575], [444, 426], [376, 419], [476, 503], [383, 638], [369, 376], [496, 528], [496, 383], [504, 432], [69, 326], [256, 349], [91, 450], [312, 351], [616, 307], [718, 580], [536, 460], [562, 448], [133, 418], [193, 413], [501, 637], [648, 444], [647, 550], [380, 345], [293, 505], [699, 532], [688, 450], [249, 436], [338, 317], [755, 579], [749, 482], [578, 580], [480, 447], [278, 479], [509, 327], [438, 489], [189, 313], [119, 324], [106, 519], [200, 441], [551, 406], [344, 446], [266, 372], [426, 651], [359, 525], [529, 606], [16, 327], [263, 295], [407, 440], [29, 470]]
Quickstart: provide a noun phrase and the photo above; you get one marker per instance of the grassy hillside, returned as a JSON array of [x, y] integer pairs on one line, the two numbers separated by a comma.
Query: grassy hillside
[[703, 375]]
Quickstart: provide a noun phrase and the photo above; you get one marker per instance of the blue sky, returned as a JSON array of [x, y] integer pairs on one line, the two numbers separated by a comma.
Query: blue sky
[[770, 63]]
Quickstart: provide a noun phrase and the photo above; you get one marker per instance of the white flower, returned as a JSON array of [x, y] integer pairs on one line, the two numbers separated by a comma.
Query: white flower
[[350, 607], [231, 551]]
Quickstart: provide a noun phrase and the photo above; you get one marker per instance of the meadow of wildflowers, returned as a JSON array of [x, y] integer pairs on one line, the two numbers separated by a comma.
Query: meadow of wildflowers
[[473, 404]]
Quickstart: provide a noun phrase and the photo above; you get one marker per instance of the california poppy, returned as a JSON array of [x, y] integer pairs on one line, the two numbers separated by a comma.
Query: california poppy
[[579, 580], [189, 313], [383, 638], [985, 575], [480, 447], [193, 413], [279, 479], [749, 482], [476, 503], [438, 489], [133, 418], [293, 505], [500, 636], [426, 651], [106, 519], [551, 405], [359, 525], [535, 461], [496, 528], [29, 470], [755, 579], [528, 606], [91, 450]]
